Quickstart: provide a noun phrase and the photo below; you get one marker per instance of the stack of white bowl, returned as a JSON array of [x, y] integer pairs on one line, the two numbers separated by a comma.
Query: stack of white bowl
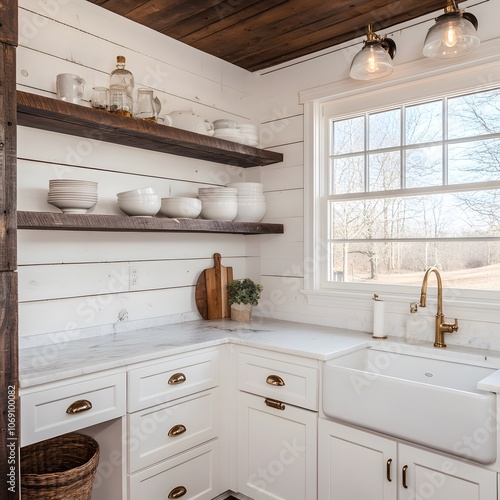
[[142, 202], [180, 208], [251, 201], [226, 129], [218, 203], [72, 196], [248, 134], [229, 130]]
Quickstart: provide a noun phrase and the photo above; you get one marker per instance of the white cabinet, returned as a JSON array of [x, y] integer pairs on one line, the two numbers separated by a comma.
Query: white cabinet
[[55, 409], [189, 475], [357, 464], [277, 440], [173, 428]]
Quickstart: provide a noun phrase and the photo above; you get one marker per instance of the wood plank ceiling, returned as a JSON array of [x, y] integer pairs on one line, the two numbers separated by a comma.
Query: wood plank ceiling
[[257, 34]]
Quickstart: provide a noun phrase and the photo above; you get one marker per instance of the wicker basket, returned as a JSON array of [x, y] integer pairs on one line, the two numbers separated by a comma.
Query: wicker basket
[[60, 468]]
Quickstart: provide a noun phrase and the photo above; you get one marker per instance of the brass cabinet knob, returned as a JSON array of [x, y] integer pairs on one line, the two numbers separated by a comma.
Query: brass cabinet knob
[[79, 406], [275, 380], [176, 430], [177, 492], [177, 378]]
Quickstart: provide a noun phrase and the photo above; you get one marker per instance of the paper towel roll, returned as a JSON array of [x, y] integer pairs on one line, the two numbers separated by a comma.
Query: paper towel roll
[[378, 318]]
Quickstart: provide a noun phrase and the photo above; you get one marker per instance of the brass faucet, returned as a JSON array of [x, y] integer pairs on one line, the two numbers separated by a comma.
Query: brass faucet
[[441, 326]]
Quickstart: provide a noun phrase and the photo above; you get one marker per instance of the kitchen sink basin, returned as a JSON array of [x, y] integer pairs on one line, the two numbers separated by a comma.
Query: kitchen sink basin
[[432, 402]]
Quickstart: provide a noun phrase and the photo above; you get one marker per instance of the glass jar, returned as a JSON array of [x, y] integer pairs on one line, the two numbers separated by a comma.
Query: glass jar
[[145, 107], [121, 88]]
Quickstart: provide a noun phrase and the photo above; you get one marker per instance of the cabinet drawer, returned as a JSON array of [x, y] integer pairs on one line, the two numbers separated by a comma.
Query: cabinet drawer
[[285, 381], [195, 471], [158, 433], [46, 413], [177, 377]]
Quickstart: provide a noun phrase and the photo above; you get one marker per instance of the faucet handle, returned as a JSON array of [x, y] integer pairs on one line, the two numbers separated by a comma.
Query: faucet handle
[[450, 327]]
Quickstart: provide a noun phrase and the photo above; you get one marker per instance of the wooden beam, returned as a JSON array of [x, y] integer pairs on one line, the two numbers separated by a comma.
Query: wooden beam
[[10, 423], [8, 23], [8, 243], [9, 393]]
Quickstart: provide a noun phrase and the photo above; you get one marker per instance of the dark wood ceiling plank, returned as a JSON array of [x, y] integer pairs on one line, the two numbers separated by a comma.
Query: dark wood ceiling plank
[[122, 7], [218, 18], [267, 34], [258, 34], [319, 36]]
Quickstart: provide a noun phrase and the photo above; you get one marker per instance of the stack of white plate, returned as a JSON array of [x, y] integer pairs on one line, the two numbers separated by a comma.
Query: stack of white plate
[[218, 203], [72, 196], [251, 201], [226, 129], [229, 130], [248, 134]]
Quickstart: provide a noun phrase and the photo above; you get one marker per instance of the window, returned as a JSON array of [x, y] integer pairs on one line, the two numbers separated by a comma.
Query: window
[[412, 185]]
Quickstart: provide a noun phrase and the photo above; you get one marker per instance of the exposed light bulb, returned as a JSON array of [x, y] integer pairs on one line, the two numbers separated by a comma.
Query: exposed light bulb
[[371, 63], [451, 36]]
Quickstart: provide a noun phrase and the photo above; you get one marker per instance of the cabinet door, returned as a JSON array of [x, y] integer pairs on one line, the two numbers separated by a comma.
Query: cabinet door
[[276, 450], [354, 464], [436, 477]]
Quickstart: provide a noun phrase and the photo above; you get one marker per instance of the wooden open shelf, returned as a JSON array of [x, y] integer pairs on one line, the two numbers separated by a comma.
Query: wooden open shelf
[[67, 118], [96, 222]]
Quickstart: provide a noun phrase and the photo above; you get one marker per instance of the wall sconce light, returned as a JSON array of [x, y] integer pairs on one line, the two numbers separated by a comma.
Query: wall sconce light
[[374, 60], [453, 35]]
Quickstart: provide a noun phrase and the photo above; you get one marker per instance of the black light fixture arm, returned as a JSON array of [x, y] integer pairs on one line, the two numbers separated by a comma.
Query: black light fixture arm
[[388, 44]]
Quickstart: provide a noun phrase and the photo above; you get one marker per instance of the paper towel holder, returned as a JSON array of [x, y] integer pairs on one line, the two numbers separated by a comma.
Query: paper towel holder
[[378, 318]]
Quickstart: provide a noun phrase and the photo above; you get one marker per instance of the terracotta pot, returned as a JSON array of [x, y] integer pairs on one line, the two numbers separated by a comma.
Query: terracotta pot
[[241, 312]]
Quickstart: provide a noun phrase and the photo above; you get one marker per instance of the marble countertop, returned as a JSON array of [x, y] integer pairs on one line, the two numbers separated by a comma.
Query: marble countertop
[[53, 362], [60, 361]]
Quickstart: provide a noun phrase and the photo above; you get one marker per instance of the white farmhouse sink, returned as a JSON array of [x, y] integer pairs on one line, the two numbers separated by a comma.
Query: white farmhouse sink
[[432, 402]]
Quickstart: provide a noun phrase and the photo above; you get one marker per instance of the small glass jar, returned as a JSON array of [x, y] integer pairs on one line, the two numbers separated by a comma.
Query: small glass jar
[[145, 108], [100, 98]]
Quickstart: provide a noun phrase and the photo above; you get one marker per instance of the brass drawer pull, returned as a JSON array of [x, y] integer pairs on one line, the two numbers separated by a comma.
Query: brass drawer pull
[[177, 492], [176, 430], [177, 378], [275, 380], [388, 471], [277, 405], [79, 406], [405, 469]]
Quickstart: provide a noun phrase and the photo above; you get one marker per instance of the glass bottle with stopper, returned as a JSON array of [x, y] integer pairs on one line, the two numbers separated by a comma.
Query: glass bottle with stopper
[[121, 88]]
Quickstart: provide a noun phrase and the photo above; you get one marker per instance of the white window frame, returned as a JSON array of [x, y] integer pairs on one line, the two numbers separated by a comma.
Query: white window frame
[[422, 79]]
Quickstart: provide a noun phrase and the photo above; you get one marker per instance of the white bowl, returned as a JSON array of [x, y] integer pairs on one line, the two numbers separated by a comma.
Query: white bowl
[[224, 123], [226, 131], [144, 208], [71, 206], [219, 210], [140, 191], [246, 186], [250, 212], [179, 208], [138, 197]]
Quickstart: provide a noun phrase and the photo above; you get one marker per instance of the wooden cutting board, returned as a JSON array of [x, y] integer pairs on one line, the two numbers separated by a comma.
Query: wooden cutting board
[[211, 291]]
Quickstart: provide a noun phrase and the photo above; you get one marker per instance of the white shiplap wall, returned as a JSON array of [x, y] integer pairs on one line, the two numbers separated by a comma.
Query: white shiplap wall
[[86, 283], [83, 283], [282, 257]]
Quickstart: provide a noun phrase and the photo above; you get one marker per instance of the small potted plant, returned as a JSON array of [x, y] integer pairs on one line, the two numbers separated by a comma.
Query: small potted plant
[[242, 295]]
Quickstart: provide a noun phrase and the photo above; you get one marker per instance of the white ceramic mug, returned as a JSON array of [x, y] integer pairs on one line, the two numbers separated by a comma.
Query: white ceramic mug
[[70, 87]]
